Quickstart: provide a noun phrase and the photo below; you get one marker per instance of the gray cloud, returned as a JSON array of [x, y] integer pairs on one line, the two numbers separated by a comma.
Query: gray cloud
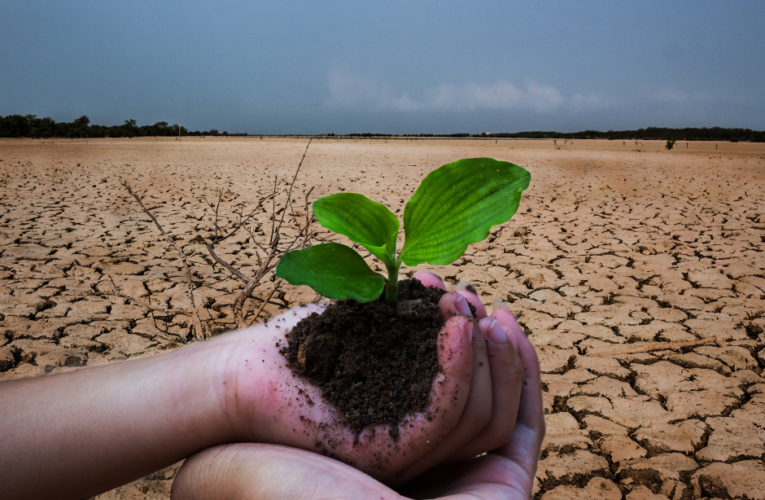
[[352, 91], [348, 90]]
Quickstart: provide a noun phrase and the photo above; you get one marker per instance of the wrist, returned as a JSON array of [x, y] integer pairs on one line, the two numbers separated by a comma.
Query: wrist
[[197, 379], [258, 393], [96, 428]]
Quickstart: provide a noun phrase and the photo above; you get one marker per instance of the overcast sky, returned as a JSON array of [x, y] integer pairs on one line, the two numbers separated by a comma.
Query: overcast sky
[[389, 67]]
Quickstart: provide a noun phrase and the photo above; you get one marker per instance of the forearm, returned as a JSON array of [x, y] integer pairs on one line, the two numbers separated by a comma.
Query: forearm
[[74, 434]]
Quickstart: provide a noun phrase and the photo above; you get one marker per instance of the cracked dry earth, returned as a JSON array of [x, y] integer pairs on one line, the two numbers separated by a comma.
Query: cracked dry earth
[[616, 245]]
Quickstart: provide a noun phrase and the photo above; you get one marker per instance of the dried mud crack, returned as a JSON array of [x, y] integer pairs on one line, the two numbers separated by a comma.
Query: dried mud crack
[[612, 249]]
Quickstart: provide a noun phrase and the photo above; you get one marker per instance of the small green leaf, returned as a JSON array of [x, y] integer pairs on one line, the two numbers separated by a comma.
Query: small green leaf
[[333, 270], [366, 222], [457, 205]]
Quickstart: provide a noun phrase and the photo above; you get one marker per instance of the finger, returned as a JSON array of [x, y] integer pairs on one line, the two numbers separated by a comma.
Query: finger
[[452, 303], [248, 470], [509, 470], [506, 381], [524, 445], [428, 278], [210, 475], [476, 415], [467, 289]]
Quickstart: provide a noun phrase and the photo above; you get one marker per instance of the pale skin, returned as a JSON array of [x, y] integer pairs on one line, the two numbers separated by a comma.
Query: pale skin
[[75, 434]]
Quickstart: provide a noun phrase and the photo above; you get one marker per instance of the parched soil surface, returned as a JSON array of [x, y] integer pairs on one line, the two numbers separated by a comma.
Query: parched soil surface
[[616, 245]]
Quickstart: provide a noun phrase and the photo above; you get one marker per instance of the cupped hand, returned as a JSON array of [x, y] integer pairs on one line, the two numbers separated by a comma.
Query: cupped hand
[[262, 471], [474, 398]]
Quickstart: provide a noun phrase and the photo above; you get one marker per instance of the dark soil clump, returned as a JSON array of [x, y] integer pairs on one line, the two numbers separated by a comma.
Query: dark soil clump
[[375, 362]]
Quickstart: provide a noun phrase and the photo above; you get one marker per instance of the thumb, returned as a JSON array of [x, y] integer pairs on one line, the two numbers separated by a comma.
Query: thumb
[[246, 471]]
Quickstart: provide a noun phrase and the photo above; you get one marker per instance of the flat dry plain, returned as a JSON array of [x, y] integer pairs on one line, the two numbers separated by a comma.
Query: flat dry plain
[[617, 245]]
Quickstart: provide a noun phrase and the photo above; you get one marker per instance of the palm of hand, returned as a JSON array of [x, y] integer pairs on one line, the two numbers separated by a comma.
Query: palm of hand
[[272, 405]]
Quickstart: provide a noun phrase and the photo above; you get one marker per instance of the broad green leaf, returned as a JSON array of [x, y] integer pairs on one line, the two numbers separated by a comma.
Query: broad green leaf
[[333, 270], [366, 222], [457, 205]]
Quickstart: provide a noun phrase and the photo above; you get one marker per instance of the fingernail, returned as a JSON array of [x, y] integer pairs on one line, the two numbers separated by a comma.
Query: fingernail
[[462, 306], [501, 304], [496, 333], [432, 273], [466, 285], [469, 332]]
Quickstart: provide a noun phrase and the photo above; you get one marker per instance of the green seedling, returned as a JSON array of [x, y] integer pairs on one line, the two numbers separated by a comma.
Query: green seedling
[[454, 206]]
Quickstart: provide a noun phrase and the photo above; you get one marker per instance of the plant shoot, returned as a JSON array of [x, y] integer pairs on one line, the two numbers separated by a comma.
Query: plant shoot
[[454, 206]]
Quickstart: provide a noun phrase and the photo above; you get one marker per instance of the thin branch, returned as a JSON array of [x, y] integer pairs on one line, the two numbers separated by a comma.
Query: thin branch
[[165, 312], [263, 305], [198, 328], [273, 212], [240, 300], [308, 218], [241, 223], [294, 178], [231, 269]]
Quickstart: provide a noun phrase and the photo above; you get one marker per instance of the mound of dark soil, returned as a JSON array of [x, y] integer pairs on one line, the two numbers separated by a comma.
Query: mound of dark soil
[[376, 361]]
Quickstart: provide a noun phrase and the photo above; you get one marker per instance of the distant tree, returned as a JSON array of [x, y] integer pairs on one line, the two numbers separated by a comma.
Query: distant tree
[[160, 124], [670, 144], [15, 126], [83, 120]]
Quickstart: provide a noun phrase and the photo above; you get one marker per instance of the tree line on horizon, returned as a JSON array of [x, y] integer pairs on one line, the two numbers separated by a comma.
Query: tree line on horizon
[[44, 128], [17, 126], [644, 134]]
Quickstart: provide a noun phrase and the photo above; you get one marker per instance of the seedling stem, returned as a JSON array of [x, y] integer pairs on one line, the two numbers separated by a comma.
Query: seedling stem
[[391, 284]]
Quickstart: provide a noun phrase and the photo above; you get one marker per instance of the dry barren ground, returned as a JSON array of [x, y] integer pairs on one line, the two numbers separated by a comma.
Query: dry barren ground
[[616, 246]]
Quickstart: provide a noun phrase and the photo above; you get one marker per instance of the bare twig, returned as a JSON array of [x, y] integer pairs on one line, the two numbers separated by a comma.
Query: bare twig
[[242, 221], [273, 211], [267, 247], [152, 308], [308, 218], [163, 310], [294, 178], [653, 346], [263, 305], [199, 331], [231, 269], [273, 248]]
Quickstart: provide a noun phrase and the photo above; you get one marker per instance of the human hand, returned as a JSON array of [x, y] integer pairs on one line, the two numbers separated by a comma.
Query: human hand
[[266, 403], [95, 428], [263, 471]]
